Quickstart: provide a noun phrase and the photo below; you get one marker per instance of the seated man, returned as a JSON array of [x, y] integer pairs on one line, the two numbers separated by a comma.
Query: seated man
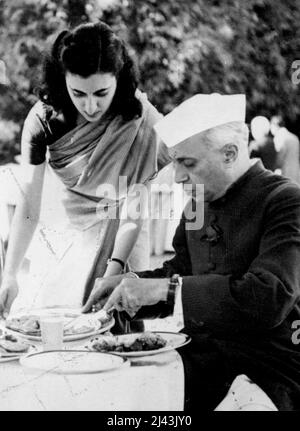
[[238, 275]]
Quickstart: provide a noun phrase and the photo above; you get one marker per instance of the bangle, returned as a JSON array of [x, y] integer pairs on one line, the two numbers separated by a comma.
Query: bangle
[[114, 259]]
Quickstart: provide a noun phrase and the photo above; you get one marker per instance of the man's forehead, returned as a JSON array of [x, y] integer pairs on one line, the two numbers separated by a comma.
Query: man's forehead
[[181, 154], [189, 148]]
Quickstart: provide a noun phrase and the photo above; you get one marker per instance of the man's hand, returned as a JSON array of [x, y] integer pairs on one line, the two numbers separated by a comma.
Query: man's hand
[[103, 287], [8, 293], [132, 294]]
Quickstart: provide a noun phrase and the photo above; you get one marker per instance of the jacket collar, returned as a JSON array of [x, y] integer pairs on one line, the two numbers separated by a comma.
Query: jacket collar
[[254, 170]]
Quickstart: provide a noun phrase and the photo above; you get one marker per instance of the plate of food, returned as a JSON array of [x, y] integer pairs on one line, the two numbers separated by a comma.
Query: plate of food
[[138, 344], [73, 361], [27, 325], [12, 347]]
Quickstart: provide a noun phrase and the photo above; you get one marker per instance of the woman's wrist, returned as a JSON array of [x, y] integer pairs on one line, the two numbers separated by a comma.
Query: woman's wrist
[[113, 268], [118, 261]]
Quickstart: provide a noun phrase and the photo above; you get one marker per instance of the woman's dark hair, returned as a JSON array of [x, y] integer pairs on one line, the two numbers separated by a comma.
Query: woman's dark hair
[[86, 50]]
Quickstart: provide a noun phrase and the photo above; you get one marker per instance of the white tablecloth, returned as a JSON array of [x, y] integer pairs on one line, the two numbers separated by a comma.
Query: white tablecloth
[[152, 383]]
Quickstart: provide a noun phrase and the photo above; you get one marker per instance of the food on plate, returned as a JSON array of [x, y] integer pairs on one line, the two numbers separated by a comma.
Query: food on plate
[[144, 342], [10, 344], [77, 329], [30, 325], [27, 324]]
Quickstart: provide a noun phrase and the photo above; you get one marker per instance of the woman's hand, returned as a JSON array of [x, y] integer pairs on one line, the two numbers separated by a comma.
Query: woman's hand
[[128, 294], [8, 293], [132, 294], [102, 289]]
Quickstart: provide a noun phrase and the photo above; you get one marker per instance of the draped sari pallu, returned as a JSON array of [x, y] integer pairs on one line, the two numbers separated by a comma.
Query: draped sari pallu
[[75, 237]]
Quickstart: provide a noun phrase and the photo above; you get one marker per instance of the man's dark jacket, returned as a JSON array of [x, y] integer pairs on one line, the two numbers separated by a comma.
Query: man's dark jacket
[[241, 290]]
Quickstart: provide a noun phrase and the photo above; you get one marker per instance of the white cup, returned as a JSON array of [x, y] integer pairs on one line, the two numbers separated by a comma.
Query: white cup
[[52, 330]]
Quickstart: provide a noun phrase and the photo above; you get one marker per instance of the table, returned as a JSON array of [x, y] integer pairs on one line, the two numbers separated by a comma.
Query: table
[[153, 383]]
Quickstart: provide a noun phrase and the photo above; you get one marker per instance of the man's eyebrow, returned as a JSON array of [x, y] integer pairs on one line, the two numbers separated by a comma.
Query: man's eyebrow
[[182, 159]]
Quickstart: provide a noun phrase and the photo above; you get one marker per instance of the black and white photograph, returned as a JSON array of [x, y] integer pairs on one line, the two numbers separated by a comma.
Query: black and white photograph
[[149, 208]]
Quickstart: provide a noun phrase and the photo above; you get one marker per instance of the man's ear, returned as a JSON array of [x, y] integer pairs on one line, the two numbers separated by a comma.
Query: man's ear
[[230, 153]]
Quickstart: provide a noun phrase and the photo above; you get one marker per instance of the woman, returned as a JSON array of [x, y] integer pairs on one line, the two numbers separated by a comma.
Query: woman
[[88, 140]]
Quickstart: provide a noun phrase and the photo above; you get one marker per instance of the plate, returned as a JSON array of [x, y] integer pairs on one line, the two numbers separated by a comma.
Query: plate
[[13, 356], [73, 361], [68, 314], [17, 356], [174, 341], [9, 359]]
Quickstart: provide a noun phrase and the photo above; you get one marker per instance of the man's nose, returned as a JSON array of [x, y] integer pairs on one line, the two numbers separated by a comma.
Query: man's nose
[[90, 106], [180, 174]]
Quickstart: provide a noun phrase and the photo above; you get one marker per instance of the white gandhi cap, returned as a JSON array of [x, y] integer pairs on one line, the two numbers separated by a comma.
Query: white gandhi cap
[[199, 113]]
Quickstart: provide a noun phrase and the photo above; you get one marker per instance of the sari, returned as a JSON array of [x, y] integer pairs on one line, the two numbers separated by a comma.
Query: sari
[[75, 236]]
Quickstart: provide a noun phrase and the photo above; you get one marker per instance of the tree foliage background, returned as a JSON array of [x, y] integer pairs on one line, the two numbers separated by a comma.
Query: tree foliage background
[[181, 46]]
